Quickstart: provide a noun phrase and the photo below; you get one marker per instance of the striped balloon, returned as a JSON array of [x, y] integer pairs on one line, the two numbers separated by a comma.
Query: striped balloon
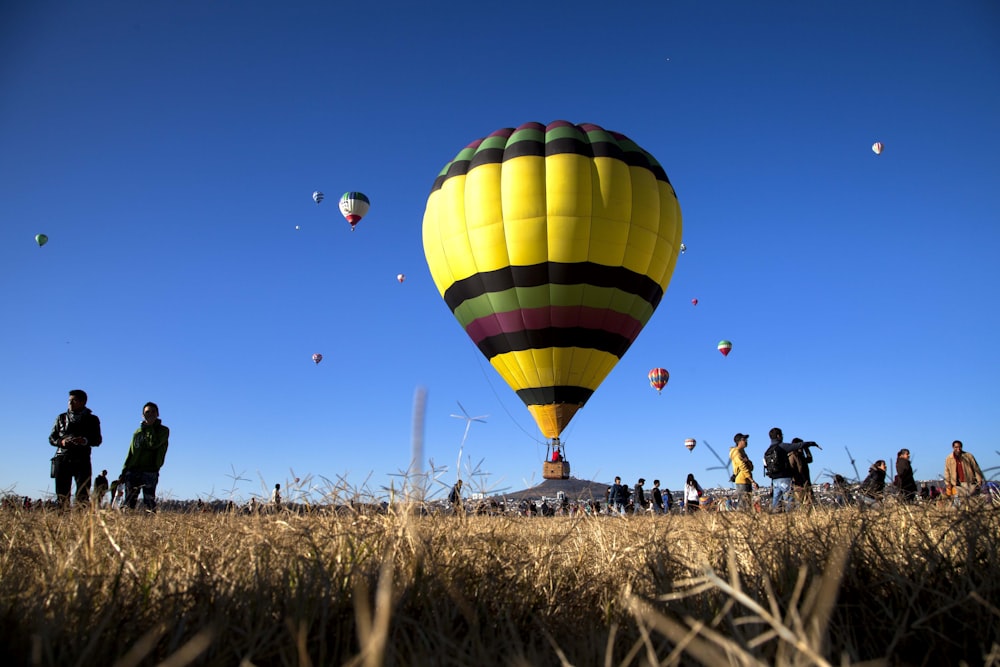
[[658, 378], [317, 196], [877, 148], [690, 443], [552, 246], [354, 206]]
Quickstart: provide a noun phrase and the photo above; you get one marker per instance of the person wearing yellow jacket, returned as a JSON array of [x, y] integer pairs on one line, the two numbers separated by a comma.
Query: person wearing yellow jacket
[[742, 471], [145, 458]]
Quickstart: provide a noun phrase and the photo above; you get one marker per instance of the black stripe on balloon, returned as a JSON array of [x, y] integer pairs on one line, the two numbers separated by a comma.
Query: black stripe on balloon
[[550, 395], [560, 146], [559, 337], [556, 273]]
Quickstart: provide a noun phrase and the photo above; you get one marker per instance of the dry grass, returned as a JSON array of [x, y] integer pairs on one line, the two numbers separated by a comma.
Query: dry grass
[[899, 586]]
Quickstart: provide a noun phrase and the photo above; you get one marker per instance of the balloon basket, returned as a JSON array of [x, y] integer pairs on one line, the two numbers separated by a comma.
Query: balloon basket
[[555, 470]]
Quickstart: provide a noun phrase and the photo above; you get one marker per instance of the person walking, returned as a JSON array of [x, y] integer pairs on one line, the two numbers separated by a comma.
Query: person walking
[[904, 475], [145, 457], [742, 472], [962, 475], [74, 434]]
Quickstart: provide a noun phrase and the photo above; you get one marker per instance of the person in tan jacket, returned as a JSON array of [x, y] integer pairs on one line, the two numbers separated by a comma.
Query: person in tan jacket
[[962, 476]]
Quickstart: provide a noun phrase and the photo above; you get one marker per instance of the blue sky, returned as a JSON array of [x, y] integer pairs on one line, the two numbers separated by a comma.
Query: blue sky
[[170, 151]]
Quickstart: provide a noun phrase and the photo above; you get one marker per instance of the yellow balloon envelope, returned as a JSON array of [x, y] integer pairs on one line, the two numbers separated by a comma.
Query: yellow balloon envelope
[[552, 246]]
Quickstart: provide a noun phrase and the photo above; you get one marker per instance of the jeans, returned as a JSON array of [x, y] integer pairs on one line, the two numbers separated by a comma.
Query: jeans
[[146, 481], [782, 490]]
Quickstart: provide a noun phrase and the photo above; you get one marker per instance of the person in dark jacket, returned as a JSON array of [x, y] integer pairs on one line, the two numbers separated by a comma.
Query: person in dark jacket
[[639, 497], [904, 473], [145, 458], [618, 497], [872, 490], [658, 507], [75, 432]]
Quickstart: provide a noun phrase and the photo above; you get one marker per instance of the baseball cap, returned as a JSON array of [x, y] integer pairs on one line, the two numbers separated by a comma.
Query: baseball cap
[[740, 436]]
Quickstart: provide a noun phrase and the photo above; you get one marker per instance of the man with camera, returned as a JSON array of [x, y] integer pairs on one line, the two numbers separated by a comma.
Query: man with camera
[[74, 433]]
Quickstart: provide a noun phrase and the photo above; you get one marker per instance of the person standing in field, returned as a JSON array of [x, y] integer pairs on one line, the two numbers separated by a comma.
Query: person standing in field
[[639, 497], [872, 490], [276, 497], [618, 497], [100, 487], [75, 432], [778, 468], [801, 481], [904, 475], [657, 498], [742, 471], [692, 494], [145, 457], [962, 476], [455, 498]]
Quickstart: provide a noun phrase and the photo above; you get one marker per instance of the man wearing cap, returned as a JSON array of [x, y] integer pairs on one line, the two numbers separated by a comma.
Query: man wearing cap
[[742, 471]]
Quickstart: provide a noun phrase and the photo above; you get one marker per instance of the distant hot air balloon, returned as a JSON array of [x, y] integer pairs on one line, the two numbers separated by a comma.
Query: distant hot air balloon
[[683, 248], [400, 277], [552, 245], [317, 196], [690, 443], [694, 302], [354, 206], [41, 239], [877, 148], [724, 347], [658, 378], [317, 358]]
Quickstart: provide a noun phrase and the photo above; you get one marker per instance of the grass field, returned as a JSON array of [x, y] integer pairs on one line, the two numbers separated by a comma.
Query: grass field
[[902, 585]]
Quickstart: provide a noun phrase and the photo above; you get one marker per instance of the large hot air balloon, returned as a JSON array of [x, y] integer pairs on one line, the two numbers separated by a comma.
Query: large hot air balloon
[[354, 206], [41, 239], [877, 148], [724, 347], [317, 358], [317, 197], [690, 443], [552, 246], [658, 378]]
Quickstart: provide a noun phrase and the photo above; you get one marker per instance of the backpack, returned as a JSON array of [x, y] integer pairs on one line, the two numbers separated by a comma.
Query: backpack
[[776, 464]]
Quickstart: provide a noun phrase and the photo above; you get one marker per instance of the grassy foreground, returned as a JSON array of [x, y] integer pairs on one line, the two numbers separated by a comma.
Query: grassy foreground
[[897, 586]]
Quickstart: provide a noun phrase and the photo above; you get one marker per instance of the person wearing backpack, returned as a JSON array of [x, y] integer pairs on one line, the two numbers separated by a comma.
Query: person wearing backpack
[[779, 469]]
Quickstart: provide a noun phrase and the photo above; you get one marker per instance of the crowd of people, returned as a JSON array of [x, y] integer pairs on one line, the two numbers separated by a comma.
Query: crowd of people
[[787, 465], [78, 430]]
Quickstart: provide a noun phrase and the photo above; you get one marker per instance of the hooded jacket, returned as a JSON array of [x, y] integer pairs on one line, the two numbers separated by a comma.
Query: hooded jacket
[[148, 449], [742, 466]]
